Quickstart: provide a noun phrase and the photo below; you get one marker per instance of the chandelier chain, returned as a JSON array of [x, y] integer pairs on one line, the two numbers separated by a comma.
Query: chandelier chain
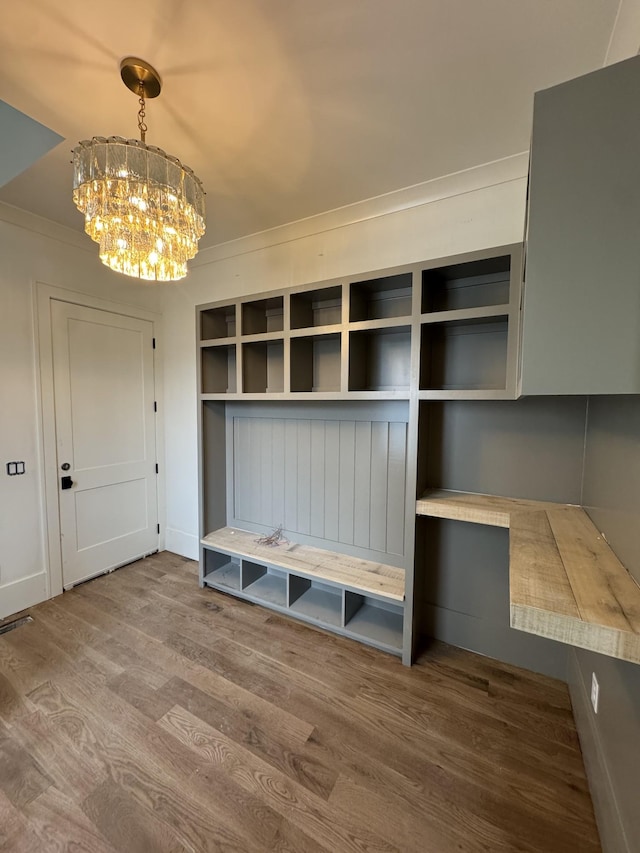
[[142, 127]]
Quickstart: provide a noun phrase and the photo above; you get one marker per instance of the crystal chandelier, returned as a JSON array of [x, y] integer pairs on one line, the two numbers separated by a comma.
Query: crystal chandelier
[[144, 208]]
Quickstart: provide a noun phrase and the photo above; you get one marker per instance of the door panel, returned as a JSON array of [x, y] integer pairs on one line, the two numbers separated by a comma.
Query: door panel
[[110, 512], [105, 427]]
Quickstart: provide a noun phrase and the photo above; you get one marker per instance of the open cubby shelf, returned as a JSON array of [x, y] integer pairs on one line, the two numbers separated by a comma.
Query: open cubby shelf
[[263, 367], [218, 322], [380, 359], [379, 298], [315, 363], [355, 597], [263, 315], [218, 369], [473, 284], [321, 307], [464, 355]]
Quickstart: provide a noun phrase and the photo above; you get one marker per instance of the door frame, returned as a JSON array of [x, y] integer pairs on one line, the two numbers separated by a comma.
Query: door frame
[[43, 295]]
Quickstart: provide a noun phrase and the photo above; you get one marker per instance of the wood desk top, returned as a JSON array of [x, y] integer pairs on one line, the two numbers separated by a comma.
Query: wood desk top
[[565, 582]]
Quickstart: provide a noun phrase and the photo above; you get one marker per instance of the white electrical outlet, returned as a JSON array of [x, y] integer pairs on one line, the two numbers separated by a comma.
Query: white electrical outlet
[[595, 692]]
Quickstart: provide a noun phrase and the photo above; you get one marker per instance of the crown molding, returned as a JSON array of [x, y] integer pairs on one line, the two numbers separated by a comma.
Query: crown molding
[[486, 175], [45, 227]]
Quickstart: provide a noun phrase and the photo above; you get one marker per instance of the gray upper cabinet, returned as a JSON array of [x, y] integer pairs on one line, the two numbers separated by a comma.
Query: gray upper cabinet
[[581, 319]]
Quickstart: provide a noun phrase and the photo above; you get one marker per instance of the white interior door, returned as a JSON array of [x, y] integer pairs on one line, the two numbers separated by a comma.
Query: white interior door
[[105, 433]]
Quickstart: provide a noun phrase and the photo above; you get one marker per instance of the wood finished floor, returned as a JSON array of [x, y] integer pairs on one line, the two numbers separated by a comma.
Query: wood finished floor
[[139, 713]]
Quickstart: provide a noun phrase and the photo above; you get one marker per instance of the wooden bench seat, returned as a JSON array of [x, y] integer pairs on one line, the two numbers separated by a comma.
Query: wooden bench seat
[[310, 562]]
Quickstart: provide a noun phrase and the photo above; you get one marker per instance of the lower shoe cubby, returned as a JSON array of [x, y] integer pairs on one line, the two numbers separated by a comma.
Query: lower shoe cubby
[[221, 570], [373, 620], [315, 601], [264, 584]]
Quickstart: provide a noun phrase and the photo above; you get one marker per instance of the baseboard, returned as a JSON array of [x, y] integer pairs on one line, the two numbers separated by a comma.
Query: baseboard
[[23, 593], [184, 544], [495, 639], [612, 835]]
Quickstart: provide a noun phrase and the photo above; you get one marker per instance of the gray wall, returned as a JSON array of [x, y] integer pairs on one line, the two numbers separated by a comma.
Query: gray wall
[[529, 448], [611, 739]]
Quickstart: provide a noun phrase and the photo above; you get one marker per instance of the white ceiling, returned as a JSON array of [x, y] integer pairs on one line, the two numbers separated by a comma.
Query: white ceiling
[[287, 108]]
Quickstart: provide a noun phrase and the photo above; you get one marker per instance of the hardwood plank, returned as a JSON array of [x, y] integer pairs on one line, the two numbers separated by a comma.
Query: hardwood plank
[[163, 658], [22, 779], [244, 729], [69, 769], [148, 700], [412, 834], [137, 828], [148, 769], [13, 704], [76, 638], [60, 825], [15, 833], [302, 809]]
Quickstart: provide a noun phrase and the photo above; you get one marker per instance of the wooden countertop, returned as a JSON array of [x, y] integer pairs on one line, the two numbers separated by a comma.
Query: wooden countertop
[[565, 581]]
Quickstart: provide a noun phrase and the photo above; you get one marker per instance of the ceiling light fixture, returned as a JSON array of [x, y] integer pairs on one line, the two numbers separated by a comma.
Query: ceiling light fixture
[[144, 208]]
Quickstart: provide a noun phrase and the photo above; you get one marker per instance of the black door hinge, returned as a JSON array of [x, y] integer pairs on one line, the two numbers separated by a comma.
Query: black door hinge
[[154, 342], [157, 471], [158, 528], [155, 405]]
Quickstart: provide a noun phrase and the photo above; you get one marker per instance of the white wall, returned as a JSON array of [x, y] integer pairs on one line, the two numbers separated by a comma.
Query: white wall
[[33, 250], [480, 208]]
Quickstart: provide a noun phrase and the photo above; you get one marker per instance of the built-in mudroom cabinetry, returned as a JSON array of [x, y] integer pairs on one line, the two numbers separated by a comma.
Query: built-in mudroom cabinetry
[[311, 406]]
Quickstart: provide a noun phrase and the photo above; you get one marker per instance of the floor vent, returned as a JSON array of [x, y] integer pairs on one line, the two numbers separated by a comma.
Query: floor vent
[[9, 626]]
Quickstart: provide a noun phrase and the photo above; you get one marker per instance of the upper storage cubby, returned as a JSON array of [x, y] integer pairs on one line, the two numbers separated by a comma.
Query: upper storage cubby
[[263, 367], [475, 284], [218, 323], [465, 355], [315, 363], [218, 369], [380, 298], [263, 315], [322, 307], [380, 360]]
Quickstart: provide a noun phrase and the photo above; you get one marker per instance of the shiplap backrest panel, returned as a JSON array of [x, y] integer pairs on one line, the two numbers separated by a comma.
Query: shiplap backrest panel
[[334, 481]]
